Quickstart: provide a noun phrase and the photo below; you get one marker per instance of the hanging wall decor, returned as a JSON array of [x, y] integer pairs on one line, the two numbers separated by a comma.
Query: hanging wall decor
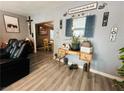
[[29, 23], [83, 8], [102, 6], [60, 24], [65, 14], [11, 24], [32, 34], [43, 32], [113, 33], [105, 18]]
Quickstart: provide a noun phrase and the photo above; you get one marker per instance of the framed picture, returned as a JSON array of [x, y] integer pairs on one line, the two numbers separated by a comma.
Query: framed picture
[[43, 32], [11, 24]]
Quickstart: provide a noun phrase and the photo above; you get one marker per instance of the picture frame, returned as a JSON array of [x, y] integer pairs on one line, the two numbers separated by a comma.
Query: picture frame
[[11, 24], [43, 32]]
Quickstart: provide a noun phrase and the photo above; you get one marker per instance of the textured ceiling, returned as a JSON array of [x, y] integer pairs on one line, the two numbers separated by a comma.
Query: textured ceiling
[[29, 7]]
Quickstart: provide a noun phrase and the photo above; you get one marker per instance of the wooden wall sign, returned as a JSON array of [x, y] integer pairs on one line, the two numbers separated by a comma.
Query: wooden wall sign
[[83, 8], [60, 24], [105, 18]]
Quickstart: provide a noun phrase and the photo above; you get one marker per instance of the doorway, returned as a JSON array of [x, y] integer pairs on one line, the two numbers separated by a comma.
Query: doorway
[[45, 31]]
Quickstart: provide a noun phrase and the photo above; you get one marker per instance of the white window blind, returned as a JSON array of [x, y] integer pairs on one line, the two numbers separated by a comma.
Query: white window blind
[[79, 26]]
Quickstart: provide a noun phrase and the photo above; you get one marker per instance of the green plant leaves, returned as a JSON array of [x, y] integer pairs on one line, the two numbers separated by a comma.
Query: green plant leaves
[[75, 40], [121, 50], [119, 84], [121, 57]]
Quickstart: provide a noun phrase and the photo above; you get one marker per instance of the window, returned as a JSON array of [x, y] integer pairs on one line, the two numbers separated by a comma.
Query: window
[[83, 26], [79, 26]]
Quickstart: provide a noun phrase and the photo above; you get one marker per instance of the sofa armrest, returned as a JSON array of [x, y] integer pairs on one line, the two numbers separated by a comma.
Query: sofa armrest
[[13, 70], [12, 63], [2, 49]]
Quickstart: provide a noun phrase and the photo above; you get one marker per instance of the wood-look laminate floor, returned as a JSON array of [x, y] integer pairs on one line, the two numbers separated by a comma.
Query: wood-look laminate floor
[[46, 75]]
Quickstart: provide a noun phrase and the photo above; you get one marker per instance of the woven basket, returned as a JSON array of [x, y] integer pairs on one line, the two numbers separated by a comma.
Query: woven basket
[[86, 44]]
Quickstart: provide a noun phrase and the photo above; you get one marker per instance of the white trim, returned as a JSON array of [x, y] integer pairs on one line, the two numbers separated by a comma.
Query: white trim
[[107, 75], [100, 73]]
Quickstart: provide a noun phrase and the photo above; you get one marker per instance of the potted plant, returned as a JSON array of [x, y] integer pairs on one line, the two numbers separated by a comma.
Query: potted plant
[[75, 44], [120, 71]]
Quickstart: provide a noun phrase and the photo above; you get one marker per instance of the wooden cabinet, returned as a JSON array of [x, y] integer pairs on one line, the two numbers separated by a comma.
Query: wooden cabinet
[[82, 55], [73, 52], [85, 56]]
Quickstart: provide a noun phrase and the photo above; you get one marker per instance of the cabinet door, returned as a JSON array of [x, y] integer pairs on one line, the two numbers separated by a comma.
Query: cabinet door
[[86, 57]]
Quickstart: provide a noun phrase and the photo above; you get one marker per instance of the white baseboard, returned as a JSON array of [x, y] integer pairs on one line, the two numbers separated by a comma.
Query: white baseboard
[[102, 73], [107, 75]]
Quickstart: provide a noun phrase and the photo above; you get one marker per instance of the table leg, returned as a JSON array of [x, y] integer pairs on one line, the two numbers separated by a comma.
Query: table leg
[[88, 70]]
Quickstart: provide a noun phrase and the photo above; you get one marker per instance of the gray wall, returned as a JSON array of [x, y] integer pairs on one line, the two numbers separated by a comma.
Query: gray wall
[[105, 52], [4, 36]]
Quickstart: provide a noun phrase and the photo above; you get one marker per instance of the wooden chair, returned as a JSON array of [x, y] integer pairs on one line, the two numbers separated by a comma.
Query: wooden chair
[[45, 44], [60, 55], [51, 45]]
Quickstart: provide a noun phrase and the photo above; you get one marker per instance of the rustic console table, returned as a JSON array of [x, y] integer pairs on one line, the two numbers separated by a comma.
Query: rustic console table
[[87, 57]]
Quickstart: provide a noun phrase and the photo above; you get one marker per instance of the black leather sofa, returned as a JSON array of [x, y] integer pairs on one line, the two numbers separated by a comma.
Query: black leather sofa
[[14, 62], [8, 47]]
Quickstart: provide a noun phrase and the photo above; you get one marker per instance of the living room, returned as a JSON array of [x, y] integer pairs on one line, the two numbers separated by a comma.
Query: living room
[[105, 41]]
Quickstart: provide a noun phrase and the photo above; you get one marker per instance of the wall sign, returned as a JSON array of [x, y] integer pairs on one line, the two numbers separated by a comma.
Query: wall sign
[[60, 24], [105, 18], [83, 8], [113, 33]]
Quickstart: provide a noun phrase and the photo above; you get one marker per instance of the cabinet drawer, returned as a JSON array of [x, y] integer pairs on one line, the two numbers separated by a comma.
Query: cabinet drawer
[[85, 56], [61, 52], [73, 52]]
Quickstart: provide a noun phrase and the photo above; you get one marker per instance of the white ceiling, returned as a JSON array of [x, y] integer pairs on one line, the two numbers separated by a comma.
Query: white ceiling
[[29, 7]]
